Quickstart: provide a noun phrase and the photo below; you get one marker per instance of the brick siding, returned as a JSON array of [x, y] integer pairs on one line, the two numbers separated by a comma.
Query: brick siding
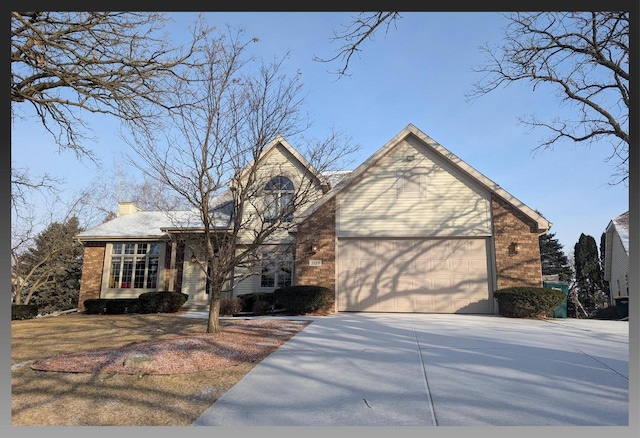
[[510, 225], [319, 229], [91, 281]]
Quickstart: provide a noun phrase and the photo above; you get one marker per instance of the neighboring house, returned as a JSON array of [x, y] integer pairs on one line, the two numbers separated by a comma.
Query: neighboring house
[[616, 256], [412, 229]]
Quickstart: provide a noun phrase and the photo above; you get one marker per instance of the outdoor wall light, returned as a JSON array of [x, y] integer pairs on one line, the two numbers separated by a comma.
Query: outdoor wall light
[[514, 248], [313, 248]]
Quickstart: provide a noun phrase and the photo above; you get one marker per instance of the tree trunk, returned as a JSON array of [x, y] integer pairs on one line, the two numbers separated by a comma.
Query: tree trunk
[[213, 325]]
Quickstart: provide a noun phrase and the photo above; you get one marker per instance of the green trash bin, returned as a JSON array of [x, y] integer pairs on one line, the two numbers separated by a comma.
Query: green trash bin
[[622, 306], [561, 310]]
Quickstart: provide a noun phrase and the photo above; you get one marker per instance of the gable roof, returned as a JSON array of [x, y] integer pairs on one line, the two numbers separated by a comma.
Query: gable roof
[[542, 223], [619, 226], [138, 224], [279, 140]]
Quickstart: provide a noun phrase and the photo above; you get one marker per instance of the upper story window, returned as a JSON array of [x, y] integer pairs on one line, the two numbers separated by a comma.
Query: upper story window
[[134, 265], [279, 199]]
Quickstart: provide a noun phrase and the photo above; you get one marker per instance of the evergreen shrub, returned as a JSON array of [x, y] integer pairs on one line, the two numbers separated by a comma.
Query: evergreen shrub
[[528, 302], [111, 306], [23, 311], [303, 299], [161, 302], [248, 300]]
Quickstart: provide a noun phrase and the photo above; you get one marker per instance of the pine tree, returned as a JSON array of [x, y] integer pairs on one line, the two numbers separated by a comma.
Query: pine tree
[[605, 284], [554, 260], [52, 268], [589, 276]]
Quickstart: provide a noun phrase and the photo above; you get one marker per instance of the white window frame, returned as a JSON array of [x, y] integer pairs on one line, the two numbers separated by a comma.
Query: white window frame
[[272, 266], [132, 254], [278, 195]]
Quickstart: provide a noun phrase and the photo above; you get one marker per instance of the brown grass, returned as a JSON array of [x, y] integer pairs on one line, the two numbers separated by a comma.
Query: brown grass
[[77, 370]]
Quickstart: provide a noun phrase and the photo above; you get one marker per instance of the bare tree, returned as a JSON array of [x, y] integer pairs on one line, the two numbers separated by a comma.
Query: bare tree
[[68, 64], [212, 150], [121, 183], [584, 57], [362, 28]]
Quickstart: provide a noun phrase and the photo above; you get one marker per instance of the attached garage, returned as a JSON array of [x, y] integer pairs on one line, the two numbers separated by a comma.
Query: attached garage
[[416, 229], [443, 275]]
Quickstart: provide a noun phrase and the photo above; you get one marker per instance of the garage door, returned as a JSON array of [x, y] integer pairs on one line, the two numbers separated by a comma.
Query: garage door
[[409, 275]]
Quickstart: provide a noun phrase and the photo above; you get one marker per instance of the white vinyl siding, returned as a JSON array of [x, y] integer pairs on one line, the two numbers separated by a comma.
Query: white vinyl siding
[[422, 195], [245, 286], [194, 279], [619, 269], [279, 162]]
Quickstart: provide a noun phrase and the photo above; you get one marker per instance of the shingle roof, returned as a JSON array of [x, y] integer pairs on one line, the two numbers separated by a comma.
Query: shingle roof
[[143, 224], [621, 224]]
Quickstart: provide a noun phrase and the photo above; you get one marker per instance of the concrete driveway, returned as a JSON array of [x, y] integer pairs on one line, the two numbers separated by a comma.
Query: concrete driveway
[[368, 369]]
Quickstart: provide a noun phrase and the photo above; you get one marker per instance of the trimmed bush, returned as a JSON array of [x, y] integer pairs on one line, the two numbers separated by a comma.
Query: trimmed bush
[[96, 306], [303, 299], [261, 307], [161, 302], [248, 300], [230, 306], [111, 306], [528, 302], [23, 311]]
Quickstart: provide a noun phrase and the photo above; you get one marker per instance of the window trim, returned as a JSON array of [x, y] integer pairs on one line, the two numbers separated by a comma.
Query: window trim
[[274, 195], [278, 261], [135, 256]]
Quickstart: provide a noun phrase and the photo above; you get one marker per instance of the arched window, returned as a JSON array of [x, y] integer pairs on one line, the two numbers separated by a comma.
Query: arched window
[[279, 199]]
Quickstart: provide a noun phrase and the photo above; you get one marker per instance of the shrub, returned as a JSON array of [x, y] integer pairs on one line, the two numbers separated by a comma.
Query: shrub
[[528, 302], [161, 302], [230, 306], [23, 311], [609, 312], [303, 299], [95, 306], [111, 306], [248, 300], [261, 307]]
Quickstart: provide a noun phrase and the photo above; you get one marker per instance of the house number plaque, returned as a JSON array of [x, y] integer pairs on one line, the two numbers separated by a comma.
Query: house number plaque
[[315, 262]]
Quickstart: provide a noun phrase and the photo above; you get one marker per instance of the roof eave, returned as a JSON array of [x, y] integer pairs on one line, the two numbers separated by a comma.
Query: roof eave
[[103, 238]]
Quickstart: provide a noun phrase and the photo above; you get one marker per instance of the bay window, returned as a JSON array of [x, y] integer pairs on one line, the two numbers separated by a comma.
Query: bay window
[[134, 265]]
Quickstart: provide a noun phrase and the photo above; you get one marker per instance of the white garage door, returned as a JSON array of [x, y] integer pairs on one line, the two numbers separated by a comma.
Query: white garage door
[[409, 275]]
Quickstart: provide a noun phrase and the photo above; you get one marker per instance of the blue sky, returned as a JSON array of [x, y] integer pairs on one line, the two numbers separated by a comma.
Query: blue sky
[[417, 73]]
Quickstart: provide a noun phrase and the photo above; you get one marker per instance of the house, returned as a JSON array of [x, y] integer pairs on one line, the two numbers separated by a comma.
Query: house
[[616, 256], [412, 229]]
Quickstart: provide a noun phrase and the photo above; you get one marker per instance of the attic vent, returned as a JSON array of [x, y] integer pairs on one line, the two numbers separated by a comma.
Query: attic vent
[[412, 182]]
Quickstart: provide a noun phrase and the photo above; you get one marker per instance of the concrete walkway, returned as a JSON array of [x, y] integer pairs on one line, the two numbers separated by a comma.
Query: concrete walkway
[[354, 369]]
